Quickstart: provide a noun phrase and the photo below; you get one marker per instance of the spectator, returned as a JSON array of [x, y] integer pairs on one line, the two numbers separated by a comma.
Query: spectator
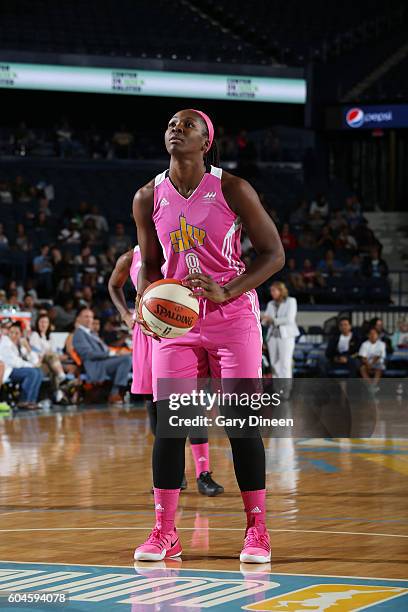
[[374, 266], [353, 268], [23, 139], [99, 362], [342, 348], [345, 240], [306, 239], [65, 289], [107, 261], [82, 212], [320, 205], [96, 144], [22, 241], [42, 229], [90, 234], [364, 237], [85, 296], [311, 278], [329, 266], [6, 195], [300, 215], [50, 361], [22, 191], [316, 222], [120, 241], [293, 278], [70, 234], [326, 240], [18, 368], [288, 239], [63, 316], [372, 354], [4, 242], [17, 289], [122, 141], [352, 211], [29, 306], [101, 223], [44, 207], [337, 221], [43, 270], [65, 143], [30, 289], [399, 338], [86, 262], [383, 335], [280, 316]]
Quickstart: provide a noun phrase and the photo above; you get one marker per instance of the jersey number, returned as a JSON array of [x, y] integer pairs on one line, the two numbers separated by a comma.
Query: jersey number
[[192, 263]]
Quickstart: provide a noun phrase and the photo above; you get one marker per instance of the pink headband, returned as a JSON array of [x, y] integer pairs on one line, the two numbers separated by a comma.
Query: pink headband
[[209, 125]]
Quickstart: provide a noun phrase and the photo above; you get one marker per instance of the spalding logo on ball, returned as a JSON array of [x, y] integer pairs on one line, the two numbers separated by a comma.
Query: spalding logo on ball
[[168, 308]]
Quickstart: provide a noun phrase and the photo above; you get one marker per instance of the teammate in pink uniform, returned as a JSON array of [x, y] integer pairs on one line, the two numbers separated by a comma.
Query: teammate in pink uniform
[[188, 220], [127, 265]]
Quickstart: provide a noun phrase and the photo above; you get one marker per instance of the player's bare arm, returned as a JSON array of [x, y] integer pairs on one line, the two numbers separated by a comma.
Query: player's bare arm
[[150, 250], [117, 280]]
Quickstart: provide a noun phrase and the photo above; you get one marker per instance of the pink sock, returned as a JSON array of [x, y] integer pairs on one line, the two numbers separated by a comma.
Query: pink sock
[[201, 454], [254, 504], [165, 505]]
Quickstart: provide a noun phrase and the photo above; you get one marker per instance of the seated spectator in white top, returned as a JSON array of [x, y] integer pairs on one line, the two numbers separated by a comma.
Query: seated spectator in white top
[[70, 234], [6, 196], [101, 223], [321, 205], [400, 337], [20, 364], [372, 354]]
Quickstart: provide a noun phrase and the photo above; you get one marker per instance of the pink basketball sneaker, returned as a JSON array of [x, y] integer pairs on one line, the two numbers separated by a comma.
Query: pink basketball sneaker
[[257, 548], [158, 546]]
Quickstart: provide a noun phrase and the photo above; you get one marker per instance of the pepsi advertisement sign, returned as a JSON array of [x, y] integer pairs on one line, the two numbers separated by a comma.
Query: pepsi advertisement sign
[[372, 117]]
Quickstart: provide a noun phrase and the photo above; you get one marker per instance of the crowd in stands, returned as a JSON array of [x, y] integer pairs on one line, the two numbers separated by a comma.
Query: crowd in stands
[[332, 256], [56, 265], [125, 142]]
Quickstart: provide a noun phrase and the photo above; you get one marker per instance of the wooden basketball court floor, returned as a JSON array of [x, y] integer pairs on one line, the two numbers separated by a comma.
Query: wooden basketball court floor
[[75, 501]]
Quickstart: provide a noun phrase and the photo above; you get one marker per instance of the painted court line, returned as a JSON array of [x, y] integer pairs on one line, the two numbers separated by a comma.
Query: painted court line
[[191, 514], [362, 533], [195, 569]]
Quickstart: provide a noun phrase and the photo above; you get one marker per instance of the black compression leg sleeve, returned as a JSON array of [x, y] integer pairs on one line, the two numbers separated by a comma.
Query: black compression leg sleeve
[[152, 412], [168, 462], [249, 462]]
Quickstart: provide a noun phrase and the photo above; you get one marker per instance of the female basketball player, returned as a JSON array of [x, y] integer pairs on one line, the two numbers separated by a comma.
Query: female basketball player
[[191, 215], [127, 265]]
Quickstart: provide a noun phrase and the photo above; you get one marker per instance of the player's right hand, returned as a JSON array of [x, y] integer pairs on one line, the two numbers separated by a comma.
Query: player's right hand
[[138, 319]]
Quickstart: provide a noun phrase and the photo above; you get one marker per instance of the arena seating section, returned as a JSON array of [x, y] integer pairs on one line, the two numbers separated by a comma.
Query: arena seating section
[[259, 31]]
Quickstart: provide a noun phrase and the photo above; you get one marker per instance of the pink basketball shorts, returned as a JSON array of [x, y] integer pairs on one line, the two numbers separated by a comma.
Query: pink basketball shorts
[[141, 362], [226, 342]]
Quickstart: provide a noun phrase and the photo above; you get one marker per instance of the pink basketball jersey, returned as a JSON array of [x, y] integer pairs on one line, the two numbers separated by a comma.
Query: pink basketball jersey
[[200, 233], [135, 267]]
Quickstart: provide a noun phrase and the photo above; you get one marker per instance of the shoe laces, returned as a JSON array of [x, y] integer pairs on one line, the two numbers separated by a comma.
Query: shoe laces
[[157, 537], [206, 477], [254, 538]]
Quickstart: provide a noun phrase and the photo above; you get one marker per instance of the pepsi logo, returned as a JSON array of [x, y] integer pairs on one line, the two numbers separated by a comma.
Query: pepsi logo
[[355, 117]]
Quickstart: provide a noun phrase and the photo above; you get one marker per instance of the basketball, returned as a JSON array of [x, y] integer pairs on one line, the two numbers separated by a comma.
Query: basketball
[[168, 308]]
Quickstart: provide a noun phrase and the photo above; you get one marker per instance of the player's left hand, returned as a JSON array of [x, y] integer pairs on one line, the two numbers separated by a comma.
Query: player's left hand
[[204, 286]]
